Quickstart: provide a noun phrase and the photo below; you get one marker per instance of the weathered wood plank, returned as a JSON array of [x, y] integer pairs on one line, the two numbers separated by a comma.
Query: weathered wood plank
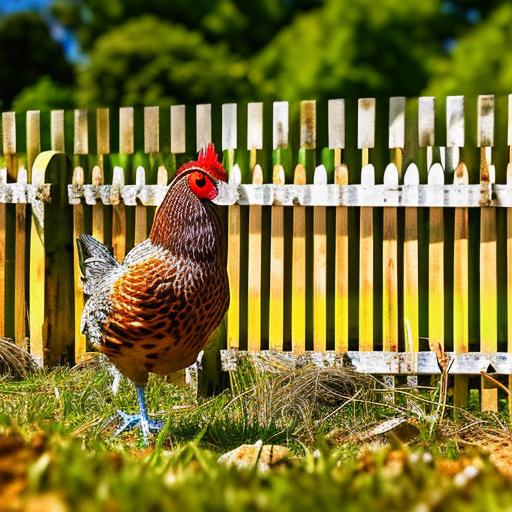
[[178, 142], [126, 147], [78, 229], [488, 249], [308, 124], [341, 271], [320, 267], [118, 215], [426, 125], [151, 130], [254, 269], [280, 125], [461, 288], [336, 126], [20, 303], [436, 265], [102, 131], [126, 130], [390, 268], [98, 171], [299, 269], [57, 130], [366, 267], [276, 298], [411, 264], [385, 363], [203, 126], [442, 196], [233, 266], [141, 220], [9, 150], [81, 136], [229, 126]]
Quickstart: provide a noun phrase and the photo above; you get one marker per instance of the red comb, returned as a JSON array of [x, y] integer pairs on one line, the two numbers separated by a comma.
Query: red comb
[[207, 161]]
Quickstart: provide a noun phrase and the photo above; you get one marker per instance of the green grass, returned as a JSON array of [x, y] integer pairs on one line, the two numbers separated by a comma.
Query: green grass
[[75, 462]]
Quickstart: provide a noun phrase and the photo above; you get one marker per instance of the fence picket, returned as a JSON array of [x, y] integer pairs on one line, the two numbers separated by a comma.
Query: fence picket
[[436, 264], [203, 126], [365, 141], [299, 269], [320, 268], [488, 246], [254, 143], [126, 147], [426, 126], [80, 150], [118, 214], [9, 151], [336, 133], [410, 265], [98, 171], [233, 265], [390, 268], [336, 128], [254, 131], [141, 221], [78, 229], [254, 269], [20, 305], [461, 287], [57, 130], [276, 297]]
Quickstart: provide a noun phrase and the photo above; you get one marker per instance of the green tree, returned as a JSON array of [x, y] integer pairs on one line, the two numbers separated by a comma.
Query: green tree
[[148, 61], [351, 48], [28, 52], [45, 94], [244, 25], [481, 62]]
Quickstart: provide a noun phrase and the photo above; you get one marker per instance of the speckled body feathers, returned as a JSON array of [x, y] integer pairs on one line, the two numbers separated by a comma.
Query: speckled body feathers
[[155, 311]]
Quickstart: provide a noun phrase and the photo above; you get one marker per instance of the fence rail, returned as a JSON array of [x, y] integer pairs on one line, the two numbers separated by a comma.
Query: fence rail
[[355, 240]]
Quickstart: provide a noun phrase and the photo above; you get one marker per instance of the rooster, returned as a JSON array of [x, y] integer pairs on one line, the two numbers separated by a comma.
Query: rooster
[[155, 311]]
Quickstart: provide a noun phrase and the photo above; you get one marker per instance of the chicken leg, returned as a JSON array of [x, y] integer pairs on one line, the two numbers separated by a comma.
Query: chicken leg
[[142, 419]]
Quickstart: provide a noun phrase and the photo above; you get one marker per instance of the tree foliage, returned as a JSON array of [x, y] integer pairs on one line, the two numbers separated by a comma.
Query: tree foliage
[[349, 48], [26, 53], [149, 61], [481, 61], [244, 25]]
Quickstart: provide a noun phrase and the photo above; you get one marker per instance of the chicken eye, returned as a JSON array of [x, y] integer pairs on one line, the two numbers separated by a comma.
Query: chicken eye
[[201, 182]]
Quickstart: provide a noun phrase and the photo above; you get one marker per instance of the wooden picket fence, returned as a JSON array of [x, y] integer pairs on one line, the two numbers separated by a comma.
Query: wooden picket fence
[[365, 249]]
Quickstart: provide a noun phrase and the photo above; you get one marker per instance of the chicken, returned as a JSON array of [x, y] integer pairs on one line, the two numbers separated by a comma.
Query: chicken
[[155, 311]]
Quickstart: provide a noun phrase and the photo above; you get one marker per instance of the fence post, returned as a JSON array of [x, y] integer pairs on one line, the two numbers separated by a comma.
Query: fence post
[[51, 264]]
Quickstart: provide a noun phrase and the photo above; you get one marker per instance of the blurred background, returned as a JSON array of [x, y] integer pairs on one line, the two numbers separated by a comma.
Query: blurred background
[[68, 53]]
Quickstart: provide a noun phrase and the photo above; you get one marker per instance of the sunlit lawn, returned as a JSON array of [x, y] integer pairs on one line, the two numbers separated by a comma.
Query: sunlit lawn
[[57, 448]]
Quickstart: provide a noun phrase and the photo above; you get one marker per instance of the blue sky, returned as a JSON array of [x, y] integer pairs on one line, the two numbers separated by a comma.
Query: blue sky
[[64, 37]]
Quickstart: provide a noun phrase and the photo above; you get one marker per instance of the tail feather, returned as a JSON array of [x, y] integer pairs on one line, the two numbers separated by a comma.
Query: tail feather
[[96, 262]]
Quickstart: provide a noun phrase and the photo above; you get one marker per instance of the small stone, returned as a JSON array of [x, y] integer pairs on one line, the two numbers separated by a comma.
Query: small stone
[[248, 455]]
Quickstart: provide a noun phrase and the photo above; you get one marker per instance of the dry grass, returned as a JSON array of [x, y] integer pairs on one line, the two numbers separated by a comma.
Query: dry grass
[[15, 362]]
